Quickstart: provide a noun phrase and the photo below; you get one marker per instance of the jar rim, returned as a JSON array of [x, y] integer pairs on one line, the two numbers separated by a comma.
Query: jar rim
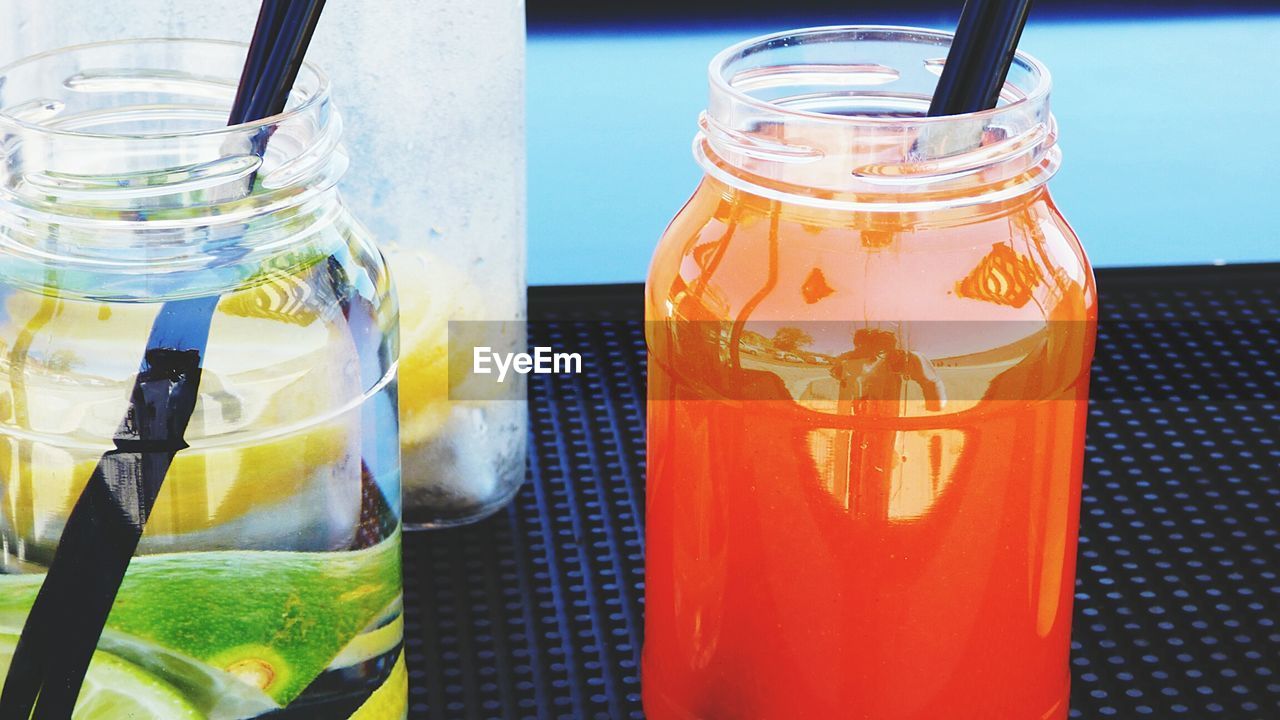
[[722, 61], [317, 78], [835, 117]]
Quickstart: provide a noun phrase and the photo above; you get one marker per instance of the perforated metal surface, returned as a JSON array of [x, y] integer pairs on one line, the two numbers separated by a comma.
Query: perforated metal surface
[[537, 613]]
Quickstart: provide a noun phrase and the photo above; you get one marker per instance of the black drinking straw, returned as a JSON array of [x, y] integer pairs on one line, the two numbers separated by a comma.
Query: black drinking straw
[[103, 529], [981, 52], [270, 18], [272, 92]]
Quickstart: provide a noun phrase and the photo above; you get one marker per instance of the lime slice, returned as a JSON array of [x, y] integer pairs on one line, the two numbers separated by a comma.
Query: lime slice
[[391, 700], [216, 694], [372, 643], [115, 689], [273, 620]]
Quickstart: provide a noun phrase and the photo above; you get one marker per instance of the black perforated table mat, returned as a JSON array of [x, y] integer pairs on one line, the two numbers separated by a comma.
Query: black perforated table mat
[[537, 611]]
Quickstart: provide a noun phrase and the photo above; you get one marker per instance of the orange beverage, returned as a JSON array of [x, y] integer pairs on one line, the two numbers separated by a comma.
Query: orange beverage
[[870, 336]]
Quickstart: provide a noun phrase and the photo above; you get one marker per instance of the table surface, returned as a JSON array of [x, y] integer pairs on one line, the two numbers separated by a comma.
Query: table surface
[[537, 612]]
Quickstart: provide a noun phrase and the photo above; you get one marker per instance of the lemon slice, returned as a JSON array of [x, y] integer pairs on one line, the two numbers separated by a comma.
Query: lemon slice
[[262, 375], [376, 640], [431, 293], [115, 689], [391, 700]]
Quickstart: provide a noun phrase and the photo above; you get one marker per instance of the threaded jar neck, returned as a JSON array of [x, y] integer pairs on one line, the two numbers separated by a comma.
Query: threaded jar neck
[[117, 156], [836, 117]]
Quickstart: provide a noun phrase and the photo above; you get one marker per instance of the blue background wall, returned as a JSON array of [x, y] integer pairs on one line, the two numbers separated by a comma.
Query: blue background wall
[[1170, 129]]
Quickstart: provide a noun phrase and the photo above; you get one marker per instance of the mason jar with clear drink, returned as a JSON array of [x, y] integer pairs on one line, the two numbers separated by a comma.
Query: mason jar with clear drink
[[433, 94], [268, 573]]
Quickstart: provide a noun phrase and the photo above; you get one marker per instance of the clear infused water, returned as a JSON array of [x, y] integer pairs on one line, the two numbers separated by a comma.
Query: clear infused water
[[268, 579]]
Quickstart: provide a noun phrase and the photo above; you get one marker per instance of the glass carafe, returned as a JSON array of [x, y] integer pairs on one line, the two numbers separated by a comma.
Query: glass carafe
[[434, 97], [268, 572], [870, 334]]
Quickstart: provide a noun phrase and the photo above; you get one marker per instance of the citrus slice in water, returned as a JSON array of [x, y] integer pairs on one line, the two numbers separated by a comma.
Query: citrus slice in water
[[379, 639], [115, 689], [431, 293], [272, 620], [391, 700], [262, 376]]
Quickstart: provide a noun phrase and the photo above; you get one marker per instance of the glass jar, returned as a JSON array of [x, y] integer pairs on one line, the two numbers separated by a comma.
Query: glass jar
[[438, 175], [870, 334], [268, 574], [445, 185]]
